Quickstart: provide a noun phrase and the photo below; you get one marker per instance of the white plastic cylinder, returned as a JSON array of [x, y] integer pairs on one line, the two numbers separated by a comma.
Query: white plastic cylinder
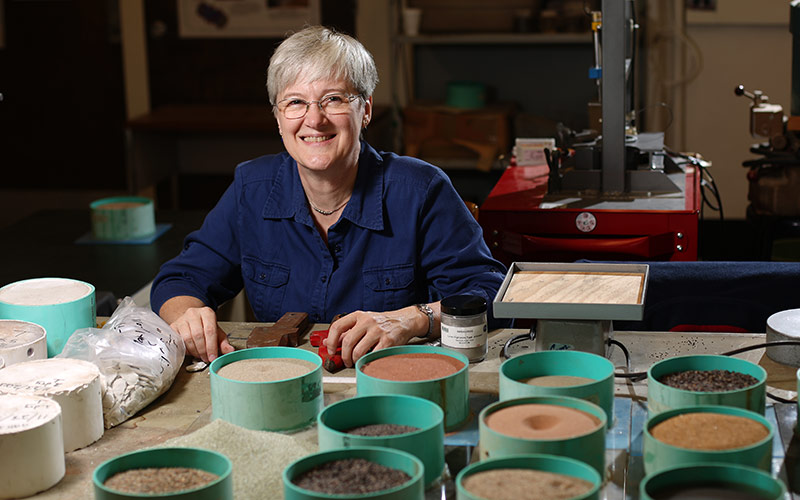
[[31, 445]]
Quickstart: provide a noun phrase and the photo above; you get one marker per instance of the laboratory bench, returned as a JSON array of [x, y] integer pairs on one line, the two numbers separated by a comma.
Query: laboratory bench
[[186, 407]]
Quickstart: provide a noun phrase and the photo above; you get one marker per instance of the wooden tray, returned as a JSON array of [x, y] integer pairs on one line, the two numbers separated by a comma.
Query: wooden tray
[[572, 291]]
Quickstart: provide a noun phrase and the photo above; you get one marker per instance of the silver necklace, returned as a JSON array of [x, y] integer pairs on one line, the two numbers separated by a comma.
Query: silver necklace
[[326, 212]]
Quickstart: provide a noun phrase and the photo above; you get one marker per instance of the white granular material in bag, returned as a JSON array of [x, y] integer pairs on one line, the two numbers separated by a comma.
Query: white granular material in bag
[[258, 457]]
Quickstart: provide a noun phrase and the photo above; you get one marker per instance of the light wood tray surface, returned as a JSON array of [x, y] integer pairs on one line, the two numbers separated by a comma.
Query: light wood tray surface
[[572, 287]]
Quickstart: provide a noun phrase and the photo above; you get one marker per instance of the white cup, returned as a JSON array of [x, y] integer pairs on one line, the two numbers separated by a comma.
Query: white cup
[[411, 21]]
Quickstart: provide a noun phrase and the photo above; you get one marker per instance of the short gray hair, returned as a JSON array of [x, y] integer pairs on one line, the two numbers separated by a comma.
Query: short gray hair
[[316, 53]]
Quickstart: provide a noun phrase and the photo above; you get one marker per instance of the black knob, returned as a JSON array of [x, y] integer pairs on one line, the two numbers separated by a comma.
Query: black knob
[[739, 90]]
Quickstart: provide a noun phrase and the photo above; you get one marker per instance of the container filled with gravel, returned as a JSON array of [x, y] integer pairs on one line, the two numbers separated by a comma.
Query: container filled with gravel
[[165, 473], [703, 380], [379, 472], [407, 423]]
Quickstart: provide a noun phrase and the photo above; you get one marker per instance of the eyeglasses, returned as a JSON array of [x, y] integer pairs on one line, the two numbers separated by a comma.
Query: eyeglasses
[[331, 104]]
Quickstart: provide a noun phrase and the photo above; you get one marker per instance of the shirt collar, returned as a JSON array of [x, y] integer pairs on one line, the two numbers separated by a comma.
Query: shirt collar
[[288, 200]]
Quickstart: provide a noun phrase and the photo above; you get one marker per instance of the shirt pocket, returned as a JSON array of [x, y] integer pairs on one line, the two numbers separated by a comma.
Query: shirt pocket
[[266, 284], [390, 288]]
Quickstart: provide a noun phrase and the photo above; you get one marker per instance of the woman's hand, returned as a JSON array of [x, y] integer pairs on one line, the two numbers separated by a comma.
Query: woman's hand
[[197, 326], [363, 331]]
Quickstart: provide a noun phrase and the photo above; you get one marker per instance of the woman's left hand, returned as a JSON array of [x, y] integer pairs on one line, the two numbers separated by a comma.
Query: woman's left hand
[[363, 331]]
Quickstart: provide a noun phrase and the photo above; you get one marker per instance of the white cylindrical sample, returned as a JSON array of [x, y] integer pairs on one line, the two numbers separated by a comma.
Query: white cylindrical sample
[[31, 445], [72, 383], [21, 341], [784, 325]]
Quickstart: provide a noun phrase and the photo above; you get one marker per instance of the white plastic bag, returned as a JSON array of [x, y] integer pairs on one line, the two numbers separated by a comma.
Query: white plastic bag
[[138, 354]]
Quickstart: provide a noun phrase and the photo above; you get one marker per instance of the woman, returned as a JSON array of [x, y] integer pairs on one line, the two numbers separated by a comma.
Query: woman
[[330, 226]]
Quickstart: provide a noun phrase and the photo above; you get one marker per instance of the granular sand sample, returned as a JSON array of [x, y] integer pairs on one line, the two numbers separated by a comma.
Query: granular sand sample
[[350, 476], [708, 380], [413, 367], [258, 457], [707, 491], [266, 369], [525, 484], [157, 480], [381, 430], [709, 431], [542, 421], [557, 381]]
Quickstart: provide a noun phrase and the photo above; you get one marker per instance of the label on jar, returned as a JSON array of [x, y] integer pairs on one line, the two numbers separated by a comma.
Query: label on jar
[[464, 336]]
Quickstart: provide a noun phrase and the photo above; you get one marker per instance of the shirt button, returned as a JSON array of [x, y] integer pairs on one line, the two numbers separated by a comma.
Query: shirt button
[[324, 279], [263, 276], [387, 281], [337, 248]]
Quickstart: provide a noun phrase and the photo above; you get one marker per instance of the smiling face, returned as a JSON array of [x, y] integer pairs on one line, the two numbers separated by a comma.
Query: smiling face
[[318, 141]]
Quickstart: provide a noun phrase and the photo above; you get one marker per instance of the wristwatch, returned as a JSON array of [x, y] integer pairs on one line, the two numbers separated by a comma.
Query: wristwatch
[[426, 309]]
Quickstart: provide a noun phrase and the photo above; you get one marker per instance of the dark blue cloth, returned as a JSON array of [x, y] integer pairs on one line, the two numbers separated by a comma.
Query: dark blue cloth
[[716, 295], [404, 237]]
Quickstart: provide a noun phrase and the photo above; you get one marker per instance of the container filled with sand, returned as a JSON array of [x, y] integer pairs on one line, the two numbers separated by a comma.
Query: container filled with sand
[[165, 473], [529, 477], [553, 425], [575, 374], [706, 434], [432, 373], [267, 388]]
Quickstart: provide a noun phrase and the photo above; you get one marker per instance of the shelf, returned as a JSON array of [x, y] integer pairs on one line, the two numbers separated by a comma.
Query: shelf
[[498, 39]]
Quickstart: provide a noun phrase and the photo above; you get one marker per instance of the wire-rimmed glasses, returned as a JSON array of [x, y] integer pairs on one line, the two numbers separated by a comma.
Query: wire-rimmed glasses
[[294, 108]]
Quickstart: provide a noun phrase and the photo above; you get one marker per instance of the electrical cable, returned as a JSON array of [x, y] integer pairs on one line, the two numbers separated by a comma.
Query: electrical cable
[[531, 335]]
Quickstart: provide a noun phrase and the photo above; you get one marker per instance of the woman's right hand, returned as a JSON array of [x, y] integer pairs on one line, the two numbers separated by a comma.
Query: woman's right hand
[[197, 326]]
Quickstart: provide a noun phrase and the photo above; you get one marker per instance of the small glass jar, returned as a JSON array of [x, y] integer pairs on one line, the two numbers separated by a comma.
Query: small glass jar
[[464, 327]]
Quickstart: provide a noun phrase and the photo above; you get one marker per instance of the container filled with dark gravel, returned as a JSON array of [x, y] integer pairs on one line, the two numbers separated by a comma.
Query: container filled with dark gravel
[[708, 380], [396, 421], [350, 476], [377, 472]]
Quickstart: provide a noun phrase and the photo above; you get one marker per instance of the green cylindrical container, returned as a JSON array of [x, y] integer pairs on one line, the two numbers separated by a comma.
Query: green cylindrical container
[[659, 455], [59, 305], [662, 397], [427, 443], [546, 463], [574, 363], [736, 477], [589, 448], [195, 458], [451, 393], [413, 489], [123, 218], [282, 405]]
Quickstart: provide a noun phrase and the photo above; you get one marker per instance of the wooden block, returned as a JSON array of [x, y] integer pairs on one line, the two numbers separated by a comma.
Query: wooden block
[[287, 331]]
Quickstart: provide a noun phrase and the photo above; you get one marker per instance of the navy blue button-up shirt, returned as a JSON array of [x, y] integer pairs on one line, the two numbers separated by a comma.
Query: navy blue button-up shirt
[[404, 237]]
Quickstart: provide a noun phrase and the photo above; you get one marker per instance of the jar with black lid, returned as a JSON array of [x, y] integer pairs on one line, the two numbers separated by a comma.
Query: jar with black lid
[[464, 327]]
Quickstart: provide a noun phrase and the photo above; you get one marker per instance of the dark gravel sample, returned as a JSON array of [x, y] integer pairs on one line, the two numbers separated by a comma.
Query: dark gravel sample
[[350, 476], [381, 430], [157, 480], [708, 380]]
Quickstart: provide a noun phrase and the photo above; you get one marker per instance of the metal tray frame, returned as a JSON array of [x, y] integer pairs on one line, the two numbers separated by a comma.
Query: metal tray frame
[[589, 311]]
